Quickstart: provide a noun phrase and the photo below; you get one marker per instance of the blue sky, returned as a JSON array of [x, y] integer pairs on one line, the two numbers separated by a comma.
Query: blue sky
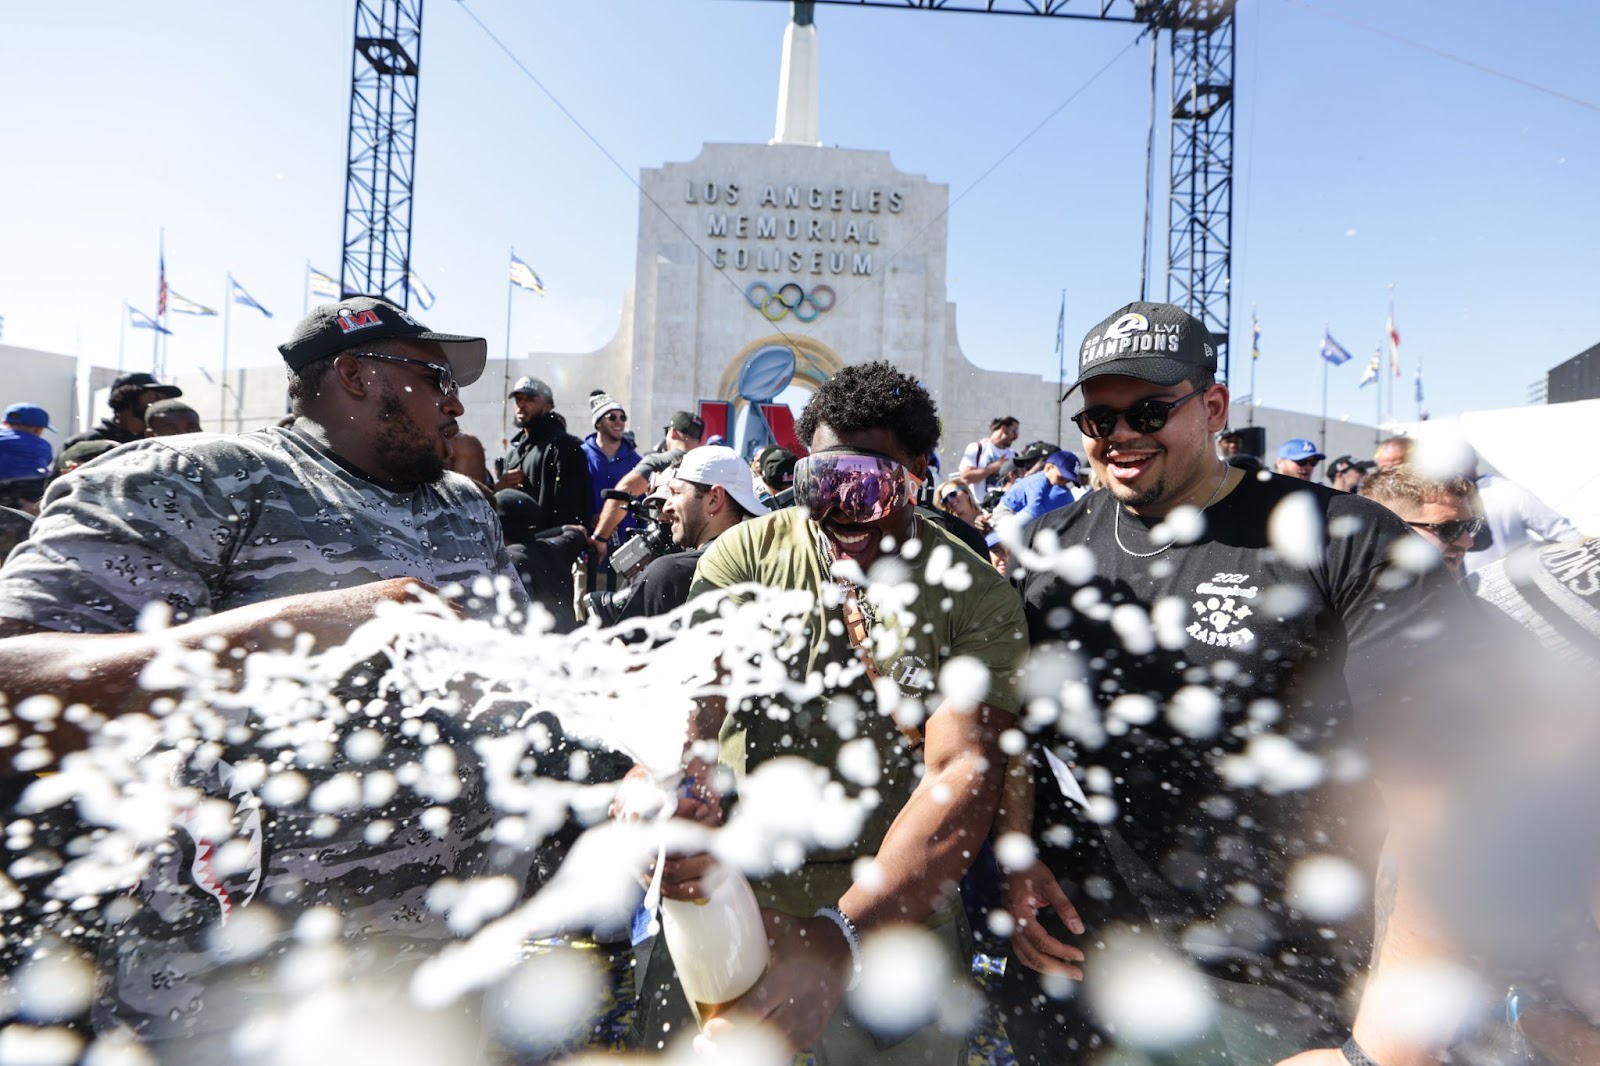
[[1360, 163]]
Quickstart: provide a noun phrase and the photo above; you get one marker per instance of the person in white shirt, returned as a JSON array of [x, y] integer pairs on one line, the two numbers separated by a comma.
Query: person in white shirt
[[1516, 516], [983, 460]]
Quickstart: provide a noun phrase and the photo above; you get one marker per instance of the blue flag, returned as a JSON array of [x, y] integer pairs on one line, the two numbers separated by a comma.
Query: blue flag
[[242, 297], [1332, 350], [139, 320], [423, 294], [525, 276], [1419, 384]]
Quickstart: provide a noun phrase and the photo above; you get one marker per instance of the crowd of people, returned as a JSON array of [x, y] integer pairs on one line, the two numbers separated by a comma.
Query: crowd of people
[[1186, 744]]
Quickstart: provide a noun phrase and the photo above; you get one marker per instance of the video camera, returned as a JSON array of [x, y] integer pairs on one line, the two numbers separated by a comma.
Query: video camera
[[653, 540]]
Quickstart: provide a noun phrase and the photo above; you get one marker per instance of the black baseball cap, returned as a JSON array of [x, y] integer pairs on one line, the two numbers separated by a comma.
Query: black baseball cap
[[1036, 451], [147, 383], [688, 423], [1347, 462], [360, 320], [777, 465], [1158, 343]]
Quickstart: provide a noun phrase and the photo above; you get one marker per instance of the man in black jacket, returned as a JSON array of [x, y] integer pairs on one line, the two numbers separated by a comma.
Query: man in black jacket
[[544, 479], [130, 395]]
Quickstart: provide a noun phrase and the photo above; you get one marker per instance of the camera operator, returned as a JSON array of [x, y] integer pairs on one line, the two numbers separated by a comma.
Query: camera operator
[[712, 492]]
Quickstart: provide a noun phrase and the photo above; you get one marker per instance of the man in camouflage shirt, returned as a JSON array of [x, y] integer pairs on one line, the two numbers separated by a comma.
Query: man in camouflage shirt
[[246, 541]]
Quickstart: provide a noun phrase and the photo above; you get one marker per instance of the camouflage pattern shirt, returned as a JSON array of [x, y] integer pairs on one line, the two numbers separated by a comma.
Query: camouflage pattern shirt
[[206, 523]]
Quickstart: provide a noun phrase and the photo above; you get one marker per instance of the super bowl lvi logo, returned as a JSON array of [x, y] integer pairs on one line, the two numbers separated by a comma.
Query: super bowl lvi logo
[[1220, 608]]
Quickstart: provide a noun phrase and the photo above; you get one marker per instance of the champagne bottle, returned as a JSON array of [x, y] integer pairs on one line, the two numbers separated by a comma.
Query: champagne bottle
[[718, 942]]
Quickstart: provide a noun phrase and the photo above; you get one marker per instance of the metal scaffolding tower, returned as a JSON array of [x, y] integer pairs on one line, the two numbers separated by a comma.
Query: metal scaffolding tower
[[1200, 193], [381, 149], [1200, 128]]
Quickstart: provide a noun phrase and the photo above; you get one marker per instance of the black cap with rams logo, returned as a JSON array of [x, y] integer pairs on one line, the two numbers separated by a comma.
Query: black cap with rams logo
[[358, 321], [1158, 343]]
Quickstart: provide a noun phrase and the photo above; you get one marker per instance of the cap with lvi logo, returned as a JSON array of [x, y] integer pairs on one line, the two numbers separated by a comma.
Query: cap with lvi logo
[[1158, 343], [359, 320]]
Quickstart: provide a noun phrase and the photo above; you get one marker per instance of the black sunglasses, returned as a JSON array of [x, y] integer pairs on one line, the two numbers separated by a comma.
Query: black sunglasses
[[1451, 531], [446, 382], [614, 416], [1146, 416]]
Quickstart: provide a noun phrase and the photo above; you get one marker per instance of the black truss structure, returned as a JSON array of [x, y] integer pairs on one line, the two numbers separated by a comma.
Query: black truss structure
[[1200, 116], [382, 149], [1200, 192]]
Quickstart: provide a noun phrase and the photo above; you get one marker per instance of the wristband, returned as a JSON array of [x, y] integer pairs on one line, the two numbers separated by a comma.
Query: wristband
[[1355, 1056], [852, 937]]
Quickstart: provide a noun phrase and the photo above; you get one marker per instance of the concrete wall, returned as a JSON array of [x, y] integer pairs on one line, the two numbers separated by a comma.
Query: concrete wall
[[48, 379]]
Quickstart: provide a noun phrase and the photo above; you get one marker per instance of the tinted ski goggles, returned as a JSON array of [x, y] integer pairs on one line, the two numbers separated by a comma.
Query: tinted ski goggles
[[862, 487], [1146, 416]]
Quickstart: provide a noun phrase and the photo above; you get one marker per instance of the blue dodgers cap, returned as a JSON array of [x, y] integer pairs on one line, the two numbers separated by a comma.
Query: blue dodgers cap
[[28, 414], [1299, 450], [1064, 461]]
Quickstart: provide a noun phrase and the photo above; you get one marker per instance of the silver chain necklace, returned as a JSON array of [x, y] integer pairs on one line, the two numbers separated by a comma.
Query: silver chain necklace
[[1116, 522]]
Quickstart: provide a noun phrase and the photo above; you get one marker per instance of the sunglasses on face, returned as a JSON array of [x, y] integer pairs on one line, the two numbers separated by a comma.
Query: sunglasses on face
[[1146, 416], [862, 488], [1452, 531], [615, 416], [950, 497], [446, 382]]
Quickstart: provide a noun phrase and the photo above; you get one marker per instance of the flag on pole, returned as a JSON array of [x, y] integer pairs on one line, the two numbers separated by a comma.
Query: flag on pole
[[1394, 344], [139, 320], [322, 284], [242, 297], [161, 294], [525, 276], [1369, 375], [1419, 384], [1061, 325], [182, 305], [1255, 336], [421, 291], [1332, 350]]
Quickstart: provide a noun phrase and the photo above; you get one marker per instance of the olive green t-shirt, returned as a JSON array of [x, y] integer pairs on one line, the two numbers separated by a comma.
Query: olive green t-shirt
[[940, 601]]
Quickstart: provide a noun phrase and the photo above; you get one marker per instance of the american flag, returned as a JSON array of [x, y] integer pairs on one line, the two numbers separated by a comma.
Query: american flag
[[1394, 345], [161, 295]]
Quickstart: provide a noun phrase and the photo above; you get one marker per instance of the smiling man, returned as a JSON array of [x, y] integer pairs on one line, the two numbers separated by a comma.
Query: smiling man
[[1210, 646], [856, 543], [311, 525]]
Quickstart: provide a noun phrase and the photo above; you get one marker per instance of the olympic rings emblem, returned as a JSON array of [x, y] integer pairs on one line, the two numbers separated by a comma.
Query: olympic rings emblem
[[775, 304]]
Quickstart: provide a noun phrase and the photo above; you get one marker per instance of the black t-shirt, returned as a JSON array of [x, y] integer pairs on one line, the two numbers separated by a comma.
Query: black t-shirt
[[1227, 700], [661, 587]]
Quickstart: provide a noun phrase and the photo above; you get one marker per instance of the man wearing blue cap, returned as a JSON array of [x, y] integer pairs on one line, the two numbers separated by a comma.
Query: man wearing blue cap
[[1054, 486], [1298, 458], [24, 453]]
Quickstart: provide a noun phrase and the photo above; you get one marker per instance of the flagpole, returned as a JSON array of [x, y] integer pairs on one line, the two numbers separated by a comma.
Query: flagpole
[[1383, 372], [1255, 357], [161, 313], [1322, 434], [1394, 352], [505, 392], [222, 375], [1061, 365]]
